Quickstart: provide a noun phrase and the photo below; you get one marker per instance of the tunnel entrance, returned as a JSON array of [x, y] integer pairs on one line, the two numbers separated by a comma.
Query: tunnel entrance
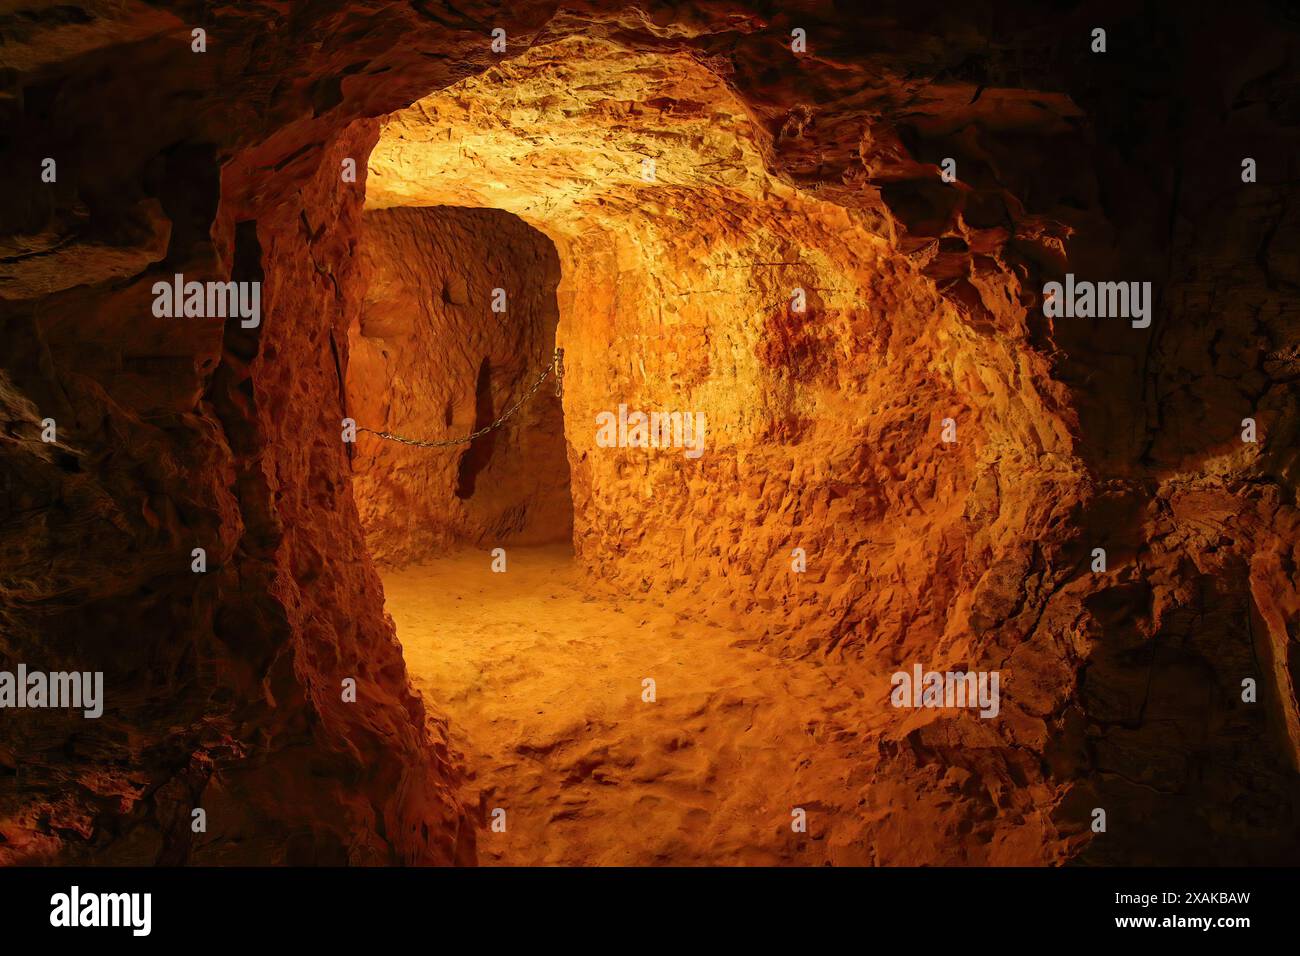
[[699, 675], [609, 696]]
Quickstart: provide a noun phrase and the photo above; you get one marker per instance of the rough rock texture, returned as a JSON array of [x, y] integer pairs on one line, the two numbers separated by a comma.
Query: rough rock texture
[[1121, 690], [224, 689], [677, 295], [430, 359]]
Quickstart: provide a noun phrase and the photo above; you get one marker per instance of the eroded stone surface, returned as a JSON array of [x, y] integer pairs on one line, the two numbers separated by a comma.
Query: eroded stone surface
[[429, 359]]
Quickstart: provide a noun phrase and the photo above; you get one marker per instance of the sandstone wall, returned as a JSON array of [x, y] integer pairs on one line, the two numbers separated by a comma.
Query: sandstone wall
[[223, 689]]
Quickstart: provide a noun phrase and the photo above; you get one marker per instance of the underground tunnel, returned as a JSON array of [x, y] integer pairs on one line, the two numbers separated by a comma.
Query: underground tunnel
[[829, 540]]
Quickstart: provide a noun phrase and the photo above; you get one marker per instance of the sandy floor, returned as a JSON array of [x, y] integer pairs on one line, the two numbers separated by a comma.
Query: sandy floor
[[543, 686]]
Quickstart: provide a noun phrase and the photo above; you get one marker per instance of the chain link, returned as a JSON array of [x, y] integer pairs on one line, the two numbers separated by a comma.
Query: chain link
[[557, 364]]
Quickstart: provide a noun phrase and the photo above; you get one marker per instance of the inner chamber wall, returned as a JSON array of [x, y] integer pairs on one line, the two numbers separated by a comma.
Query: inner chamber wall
[[430, 359]]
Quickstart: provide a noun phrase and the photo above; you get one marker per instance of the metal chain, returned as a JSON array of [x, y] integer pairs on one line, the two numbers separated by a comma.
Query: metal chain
[[557, 364]]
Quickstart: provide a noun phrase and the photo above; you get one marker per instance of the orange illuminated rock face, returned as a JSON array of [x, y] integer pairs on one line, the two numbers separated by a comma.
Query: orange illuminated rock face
[[823, 361], [691, 176], [823, 364]]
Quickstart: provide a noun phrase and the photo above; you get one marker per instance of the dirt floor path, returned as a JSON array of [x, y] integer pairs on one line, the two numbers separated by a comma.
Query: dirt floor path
[[543, 686]]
